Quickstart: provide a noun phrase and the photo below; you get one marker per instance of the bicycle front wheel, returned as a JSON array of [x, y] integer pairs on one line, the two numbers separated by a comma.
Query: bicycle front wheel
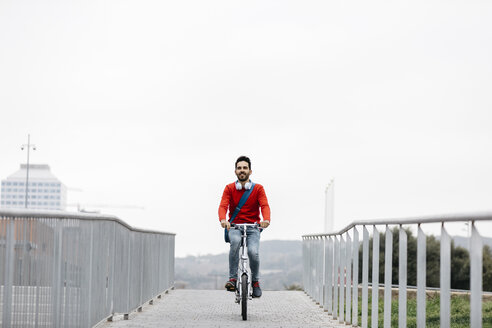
[[244, 296]]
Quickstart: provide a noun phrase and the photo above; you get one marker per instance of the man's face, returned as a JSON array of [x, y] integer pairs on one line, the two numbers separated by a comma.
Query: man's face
[[242, 171]]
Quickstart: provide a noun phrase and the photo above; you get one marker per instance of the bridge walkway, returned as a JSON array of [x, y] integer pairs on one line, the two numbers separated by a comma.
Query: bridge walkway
[[216, 308]]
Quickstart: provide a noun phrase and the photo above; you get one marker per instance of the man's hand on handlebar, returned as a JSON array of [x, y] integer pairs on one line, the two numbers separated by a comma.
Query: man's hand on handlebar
[[225, 224]]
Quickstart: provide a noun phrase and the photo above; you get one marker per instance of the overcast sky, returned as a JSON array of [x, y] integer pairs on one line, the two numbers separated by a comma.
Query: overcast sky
[[149, 103]]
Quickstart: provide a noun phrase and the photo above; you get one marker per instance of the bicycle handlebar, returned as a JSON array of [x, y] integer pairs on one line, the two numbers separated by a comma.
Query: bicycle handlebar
[[238, 225]]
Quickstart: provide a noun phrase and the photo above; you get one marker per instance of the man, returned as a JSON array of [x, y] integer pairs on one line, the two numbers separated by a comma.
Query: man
[[249, 213]]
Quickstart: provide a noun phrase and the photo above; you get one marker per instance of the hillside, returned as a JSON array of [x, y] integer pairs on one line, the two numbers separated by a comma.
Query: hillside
[[465, 242], [281, 265]]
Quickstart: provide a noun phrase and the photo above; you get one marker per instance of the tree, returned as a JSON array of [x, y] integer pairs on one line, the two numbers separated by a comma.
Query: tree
[[487, 269], [433, 255], [460, 268]]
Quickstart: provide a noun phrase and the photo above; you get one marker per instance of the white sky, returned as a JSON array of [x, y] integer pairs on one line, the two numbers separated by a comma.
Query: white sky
[[149, 103]]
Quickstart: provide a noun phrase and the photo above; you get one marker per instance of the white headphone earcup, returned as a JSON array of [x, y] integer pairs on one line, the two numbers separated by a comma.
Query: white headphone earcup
[[247, 186], [238, 186]]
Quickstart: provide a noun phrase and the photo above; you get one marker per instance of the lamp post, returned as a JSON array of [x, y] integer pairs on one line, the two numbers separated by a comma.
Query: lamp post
[[329, 204], [28, 146]]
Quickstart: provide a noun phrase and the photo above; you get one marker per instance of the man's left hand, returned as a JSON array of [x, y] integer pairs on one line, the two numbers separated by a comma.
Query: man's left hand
[[264, 224]]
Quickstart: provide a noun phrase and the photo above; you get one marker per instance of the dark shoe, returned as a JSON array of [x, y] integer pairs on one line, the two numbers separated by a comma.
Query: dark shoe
[[256, 289], [231, 285]]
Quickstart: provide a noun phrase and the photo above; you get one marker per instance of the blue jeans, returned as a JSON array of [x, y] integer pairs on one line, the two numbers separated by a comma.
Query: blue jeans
[[253, 243]]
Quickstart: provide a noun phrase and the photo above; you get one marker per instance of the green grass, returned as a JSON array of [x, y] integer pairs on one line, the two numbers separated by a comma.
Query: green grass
[[460, 312]]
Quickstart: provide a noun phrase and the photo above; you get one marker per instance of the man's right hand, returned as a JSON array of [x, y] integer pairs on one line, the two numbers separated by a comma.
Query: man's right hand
[[225, 224]]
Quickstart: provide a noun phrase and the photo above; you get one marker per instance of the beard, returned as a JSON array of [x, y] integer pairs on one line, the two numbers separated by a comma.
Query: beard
[[243, 177]]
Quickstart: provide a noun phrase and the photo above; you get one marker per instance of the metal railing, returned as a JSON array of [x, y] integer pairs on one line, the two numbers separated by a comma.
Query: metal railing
[[60, 269], [331, 270]]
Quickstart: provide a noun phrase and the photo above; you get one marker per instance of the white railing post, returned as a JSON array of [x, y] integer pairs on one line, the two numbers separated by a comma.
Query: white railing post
[[319, 259], [402, 280], [355, 281], [311, 264], [375, 277], [318, 266], [445, 278], [316, 270], [304, 263], [341, 282], [388, 274], [328, 275], [365, 276], [349, 255], [476, 253], [336, 277], [9, 274], [313, 274], [56, 284], [421, 279], [89, 264]]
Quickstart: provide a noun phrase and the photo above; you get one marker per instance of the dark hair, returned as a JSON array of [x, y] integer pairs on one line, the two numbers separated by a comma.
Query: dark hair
[[243, 159]]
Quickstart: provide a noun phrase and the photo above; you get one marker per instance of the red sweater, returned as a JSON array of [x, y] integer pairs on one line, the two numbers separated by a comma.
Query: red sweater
[[250, 212]]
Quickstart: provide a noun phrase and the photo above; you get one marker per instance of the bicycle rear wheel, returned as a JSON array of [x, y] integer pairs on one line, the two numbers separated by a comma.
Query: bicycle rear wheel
[[244, 296]]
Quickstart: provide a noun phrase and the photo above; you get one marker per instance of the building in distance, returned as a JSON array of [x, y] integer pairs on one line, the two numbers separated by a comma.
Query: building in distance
[[45, 192]]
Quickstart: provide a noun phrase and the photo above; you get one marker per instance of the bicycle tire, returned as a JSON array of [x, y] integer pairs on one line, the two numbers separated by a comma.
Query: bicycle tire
[[244, 296]]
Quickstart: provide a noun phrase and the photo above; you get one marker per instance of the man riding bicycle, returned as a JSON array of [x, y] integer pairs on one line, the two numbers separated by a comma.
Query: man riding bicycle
[[249, 213]]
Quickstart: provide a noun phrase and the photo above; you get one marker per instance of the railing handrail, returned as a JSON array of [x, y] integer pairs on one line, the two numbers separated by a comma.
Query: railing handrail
[[47, 214], [93, 265], [329, 257], [473, 216]]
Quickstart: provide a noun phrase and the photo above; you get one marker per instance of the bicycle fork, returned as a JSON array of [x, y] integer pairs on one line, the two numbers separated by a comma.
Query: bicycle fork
[[243, 273]]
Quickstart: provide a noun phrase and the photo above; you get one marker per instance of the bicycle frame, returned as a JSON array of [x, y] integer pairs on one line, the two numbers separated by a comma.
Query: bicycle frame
[[243, 268]]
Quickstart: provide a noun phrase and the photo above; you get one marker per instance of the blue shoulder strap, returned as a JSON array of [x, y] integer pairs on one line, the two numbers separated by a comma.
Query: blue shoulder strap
[[242, 201]]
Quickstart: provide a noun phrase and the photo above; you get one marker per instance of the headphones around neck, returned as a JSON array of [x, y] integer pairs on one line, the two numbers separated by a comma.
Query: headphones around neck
[[247, 185]]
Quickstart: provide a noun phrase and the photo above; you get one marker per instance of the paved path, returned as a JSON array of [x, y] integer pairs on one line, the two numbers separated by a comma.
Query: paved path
[[216, 308]]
